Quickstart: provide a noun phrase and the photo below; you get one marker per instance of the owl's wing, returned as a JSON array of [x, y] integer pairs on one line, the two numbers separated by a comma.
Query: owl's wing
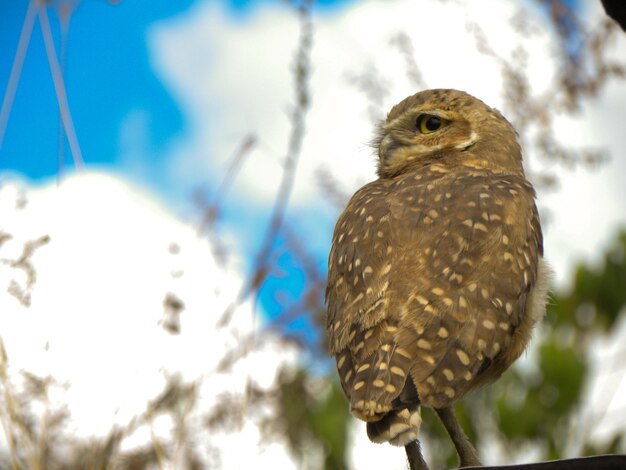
[[361, 331], [469, 263], [429, 279]]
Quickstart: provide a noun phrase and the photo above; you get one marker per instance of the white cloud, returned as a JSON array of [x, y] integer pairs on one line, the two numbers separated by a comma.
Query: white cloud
[[590, 204], [231, 77], [96, 321]]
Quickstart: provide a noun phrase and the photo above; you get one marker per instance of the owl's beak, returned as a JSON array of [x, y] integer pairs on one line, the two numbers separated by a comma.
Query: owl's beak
[[387, 144]]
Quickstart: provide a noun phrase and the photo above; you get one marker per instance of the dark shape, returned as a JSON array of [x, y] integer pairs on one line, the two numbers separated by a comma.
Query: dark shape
[[414, 456], [467, 454], [616, 9], [600, 462]]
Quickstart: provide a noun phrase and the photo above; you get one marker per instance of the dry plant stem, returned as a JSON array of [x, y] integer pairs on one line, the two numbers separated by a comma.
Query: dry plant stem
[[211, 209], [16, 429], [580, 76], [65, 26], [331, 188], [43, 438], [16, 68], [157, 446], [290, 163], [8, 409], [402, 41], [59, 86], [236, 162], [465, 449], [414, 455], [295, 139]]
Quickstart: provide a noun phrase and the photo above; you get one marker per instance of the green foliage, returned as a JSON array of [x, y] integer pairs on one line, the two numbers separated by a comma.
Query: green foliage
[[435, 438], [603, 289], [313, 413], [538, 405]]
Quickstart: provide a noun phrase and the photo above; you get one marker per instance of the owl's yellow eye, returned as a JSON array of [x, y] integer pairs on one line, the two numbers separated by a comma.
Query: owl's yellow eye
[[427, 123]]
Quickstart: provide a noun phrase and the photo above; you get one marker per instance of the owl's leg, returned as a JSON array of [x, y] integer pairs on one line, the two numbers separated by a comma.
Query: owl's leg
[[414, 455], [465, 449]]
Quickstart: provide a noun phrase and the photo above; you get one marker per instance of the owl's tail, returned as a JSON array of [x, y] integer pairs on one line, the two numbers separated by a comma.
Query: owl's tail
[[398, 427]]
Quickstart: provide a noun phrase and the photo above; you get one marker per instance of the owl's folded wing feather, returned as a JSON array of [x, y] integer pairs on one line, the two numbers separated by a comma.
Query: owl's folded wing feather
[[477, 250]]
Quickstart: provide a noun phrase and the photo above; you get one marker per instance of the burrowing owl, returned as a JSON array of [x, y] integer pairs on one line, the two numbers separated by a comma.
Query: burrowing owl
[[436, 277]]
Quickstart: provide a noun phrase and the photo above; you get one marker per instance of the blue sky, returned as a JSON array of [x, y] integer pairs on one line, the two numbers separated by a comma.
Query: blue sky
[[109, 76], [137, 79], [132, 102]]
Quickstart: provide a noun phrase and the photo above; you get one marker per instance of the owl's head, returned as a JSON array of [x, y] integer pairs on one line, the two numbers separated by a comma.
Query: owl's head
[[450, 127]]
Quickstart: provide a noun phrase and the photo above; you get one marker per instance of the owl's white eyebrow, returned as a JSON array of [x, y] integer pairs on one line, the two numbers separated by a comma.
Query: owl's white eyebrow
[[434, 112], [467, 143]]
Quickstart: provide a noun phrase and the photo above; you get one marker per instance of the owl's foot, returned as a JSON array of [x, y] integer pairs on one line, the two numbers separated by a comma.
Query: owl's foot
[[465, 449], [414, 455]]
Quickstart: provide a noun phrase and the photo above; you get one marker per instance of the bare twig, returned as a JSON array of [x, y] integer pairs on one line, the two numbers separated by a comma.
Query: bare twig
[[375, 89], [290, 164], [301, 73], [330, 188], [65, 11], [211, 210], [16, 68], [24, 263], [59, 86], [403, 43], [236, 162], [571, 84], [7, 412]]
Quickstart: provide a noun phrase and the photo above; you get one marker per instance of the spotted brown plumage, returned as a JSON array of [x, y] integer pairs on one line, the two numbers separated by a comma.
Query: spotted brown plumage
[[436, 276]]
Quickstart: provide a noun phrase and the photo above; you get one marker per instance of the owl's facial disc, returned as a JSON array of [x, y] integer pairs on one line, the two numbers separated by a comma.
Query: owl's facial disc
[[421, 135]]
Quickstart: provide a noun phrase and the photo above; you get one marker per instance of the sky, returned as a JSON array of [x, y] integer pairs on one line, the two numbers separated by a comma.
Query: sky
[[162, 97], [103, 335]]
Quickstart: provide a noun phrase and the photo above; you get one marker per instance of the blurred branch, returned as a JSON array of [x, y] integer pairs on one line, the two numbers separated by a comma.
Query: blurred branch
[[24, 263], [211, 210], [26, 450], [310, 302], [403, 43], [374, 88], [59, 86], [16, 68], [6, 415], [65, 11], [308, 262], [331, 188], [236, 162], [583, 72], [583, 54], [301, 74]]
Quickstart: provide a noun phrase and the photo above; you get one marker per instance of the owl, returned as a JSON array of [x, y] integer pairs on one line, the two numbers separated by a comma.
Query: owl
[[436, 276]]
